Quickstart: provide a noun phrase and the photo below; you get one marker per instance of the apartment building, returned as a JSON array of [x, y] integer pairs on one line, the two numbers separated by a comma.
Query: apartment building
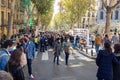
[[5, 16], [89, 20]]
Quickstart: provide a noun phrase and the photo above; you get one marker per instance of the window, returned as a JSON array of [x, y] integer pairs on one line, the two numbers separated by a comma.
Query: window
[[117, 7], [101, 15], [88, 14], [83, 20], [116, 14], [8, 18], [2, 17], [93, 15], [3, 2], [8, 3]]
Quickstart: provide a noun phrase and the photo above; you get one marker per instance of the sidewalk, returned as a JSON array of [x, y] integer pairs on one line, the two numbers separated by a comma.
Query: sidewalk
[[88, 52]]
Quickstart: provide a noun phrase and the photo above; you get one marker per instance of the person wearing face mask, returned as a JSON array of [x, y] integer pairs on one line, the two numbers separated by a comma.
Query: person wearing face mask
[[4, 54], [57, 50]]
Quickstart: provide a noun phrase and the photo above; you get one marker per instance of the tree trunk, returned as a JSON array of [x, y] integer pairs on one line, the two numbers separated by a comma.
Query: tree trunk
[[38, 18], [10, 24], [108, 20], [78, 7]]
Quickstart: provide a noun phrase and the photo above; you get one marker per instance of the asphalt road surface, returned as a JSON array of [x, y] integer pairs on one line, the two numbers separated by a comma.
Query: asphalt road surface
[[79, 68]]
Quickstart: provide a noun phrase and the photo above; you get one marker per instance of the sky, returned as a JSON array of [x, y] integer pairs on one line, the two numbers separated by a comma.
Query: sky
[[56, 7]]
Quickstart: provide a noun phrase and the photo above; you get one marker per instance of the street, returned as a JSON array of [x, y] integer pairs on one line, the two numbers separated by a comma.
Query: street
[[79, 68]]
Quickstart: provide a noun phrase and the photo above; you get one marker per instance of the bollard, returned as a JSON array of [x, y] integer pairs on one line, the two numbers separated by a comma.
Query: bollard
[[81, 47], [86, 51], [91, 52]]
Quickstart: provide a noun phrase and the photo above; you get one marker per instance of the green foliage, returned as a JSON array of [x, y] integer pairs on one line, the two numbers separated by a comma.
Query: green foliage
[[24, 3], [44, 8], [73, 11]]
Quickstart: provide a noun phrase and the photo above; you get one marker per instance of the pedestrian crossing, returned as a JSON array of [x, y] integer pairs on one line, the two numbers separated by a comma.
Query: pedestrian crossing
[[45, 56]]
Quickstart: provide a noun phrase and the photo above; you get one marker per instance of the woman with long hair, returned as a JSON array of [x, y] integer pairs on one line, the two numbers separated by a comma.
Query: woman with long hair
[[104, 61], [15, 66], [67, 49]]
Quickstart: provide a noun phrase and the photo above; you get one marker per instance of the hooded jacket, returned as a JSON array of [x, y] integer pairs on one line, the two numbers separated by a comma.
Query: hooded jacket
[[105, 62]]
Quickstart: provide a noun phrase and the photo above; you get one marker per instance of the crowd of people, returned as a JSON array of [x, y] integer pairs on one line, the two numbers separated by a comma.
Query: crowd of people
[[15, 55], [108, 57]]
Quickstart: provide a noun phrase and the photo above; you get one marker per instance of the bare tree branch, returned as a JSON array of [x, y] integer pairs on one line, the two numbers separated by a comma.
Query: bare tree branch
[[110, 2], [118, 2], [105, 5]]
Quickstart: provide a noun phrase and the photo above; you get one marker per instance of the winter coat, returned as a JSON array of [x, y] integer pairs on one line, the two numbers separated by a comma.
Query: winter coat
[[66, 46], [116, 68], [4, 57], [104, 62], [57, 48]]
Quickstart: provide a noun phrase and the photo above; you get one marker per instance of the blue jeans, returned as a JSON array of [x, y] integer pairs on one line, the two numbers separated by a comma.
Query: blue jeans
[[97, 48]]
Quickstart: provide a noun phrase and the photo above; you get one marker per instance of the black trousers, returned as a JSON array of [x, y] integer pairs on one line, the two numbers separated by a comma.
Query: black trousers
[[104, 79], [42, 48], [66, 58], [29, 64]]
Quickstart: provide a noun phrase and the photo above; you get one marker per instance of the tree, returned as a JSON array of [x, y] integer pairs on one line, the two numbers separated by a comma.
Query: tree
[[10, 24], [109, 5], [44, 11], [28, 9], [58, 21], [69, 13], [75, 10]]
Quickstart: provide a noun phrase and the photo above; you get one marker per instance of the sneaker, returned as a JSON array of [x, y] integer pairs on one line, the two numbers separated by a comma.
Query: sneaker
[[31, 77]]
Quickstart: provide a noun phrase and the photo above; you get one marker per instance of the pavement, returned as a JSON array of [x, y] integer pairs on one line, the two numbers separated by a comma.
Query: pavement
[[80, 67], [88, 52]]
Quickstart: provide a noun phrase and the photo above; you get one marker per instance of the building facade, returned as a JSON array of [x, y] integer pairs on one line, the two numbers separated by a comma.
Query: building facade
[[4, 15], [89, 20], [101, 17], [5, 6]]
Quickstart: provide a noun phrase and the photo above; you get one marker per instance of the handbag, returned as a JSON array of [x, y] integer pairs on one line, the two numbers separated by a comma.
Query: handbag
[[70, 50]]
